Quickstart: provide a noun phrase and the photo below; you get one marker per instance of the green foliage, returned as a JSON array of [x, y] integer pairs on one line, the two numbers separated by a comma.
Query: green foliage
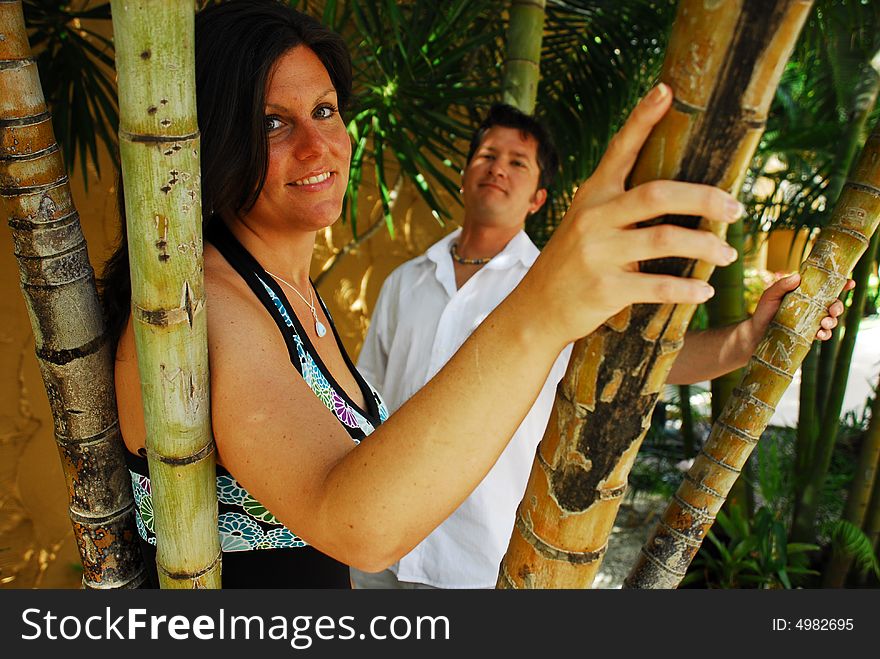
[[415, 82], [598, 58], [849, 538], [77, 74], [800, 159], [750, 553]]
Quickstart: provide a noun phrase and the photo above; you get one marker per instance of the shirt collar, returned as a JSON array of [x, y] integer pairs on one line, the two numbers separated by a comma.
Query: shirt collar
[[520, 249]]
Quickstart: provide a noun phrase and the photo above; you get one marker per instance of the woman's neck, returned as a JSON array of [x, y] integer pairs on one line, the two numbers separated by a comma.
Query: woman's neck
[[285, 253]]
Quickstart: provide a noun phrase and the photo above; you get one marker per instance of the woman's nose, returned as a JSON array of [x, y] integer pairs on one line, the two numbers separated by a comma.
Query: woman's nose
[[310, 143]]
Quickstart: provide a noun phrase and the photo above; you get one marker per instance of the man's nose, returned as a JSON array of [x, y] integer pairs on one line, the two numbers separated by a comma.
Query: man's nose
[[497, 168]]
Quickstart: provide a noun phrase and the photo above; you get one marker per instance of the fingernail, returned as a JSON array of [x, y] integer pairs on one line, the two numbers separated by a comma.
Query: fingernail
[[658, 93], [734, 209], [731, 254], [708, 291]]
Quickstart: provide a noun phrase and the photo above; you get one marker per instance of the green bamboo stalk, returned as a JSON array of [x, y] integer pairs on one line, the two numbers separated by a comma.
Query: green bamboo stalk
[[726, 307], [523, 58], [665, 557], [687, 421], [864, 100], [58, 285], [159, 145], [859, 494], [808, 419], [804, 524]]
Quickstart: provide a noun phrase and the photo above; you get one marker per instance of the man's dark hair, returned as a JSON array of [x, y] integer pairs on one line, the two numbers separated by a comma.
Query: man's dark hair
[[237, 43], [508, 116]]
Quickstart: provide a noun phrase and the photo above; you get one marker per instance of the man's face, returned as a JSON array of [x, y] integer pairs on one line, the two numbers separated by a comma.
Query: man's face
[[501, 181]]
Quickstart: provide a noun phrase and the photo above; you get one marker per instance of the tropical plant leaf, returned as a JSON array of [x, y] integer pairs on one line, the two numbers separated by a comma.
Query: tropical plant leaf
[[76, 67], [849, 538]]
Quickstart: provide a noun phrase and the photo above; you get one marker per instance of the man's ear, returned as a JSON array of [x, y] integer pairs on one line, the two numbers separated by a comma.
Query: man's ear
[[538, 200]]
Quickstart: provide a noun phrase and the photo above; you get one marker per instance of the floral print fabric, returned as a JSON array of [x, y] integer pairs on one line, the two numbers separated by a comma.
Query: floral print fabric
[[244, 523]]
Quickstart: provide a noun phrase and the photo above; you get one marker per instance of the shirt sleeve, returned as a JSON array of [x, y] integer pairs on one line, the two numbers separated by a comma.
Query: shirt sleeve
[[373, 359]]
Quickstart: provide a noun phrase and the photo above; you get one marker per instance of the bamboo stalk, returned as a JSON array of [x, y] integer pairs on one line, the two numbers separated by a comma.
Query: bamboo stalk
[[726, 307], [58, 285], [723, 64], [523, 58], [677, 537], [863, 100], [804, 522], [159, 145], [863, 482]]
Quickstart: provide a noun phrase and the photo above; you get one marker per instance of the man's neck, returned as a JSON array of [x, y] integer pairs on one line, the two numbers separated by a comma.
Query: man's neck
[[478, 241]]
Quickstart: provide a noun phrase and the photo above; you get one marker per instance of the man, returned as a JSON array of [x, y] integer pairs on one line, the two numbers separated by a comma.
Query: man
[[430, 305]]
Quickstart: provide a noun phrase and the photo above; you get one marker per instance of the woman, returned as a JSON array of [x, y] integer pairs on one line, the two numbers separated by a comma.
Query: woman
[[300, 496]]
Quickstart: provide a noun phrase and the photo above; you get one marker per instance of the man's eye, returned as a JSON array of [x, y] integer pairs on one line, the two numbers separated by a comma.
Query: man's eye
[[518, 163], [325, 111], [272, 123]]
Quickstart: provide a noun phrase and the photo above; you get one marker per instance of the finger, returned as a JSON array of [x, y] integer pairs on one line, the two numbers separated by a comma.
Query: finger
[[823, 334], [665, 289], [835, 309], [666, 240], [828, 323], [624, 147], [780, 288], [658, 198], [850, 284]]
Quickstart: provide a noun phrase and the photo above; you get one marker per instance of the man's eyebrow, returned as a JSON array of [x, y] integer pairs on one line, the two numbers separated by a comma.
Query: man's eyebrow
[[319, 98]]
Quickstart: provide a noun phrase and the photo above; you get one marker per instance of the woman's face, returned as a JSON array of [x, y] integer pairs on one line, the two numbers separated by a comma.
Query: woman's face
[[309, 149]]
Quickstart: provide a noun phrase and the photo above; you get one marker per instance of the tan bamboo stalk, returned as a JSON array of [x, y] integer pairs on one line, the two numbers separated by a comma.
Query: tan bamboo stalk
[[677, 537], [523, 58], [159, 148], [58, 285], [723, 63], [858, 496]]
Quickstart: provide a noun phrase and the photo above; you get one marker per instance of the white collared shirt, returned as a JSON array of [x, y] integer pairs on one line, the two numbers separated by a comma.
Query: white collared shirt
[[419, 322]]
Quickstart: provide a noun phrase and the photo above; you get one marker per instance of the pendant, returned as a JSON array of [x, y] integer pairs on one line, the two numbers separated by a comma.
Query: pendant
[[319, 328]]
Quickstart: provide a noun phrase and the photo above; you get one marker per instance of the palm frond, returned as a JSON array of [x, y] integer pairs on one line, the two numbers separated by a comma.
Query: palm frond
[[77, 73]]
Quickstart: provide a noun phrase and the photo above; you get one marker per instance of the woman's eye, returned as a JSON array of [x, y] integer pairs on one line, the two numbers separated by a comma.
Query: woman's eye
[[272, 123], [325, 112]]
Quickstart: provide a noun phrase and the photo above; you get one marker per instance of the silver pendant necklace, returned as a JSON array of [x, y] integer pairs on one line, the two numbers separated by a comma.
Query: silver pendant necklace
[[320, 330]]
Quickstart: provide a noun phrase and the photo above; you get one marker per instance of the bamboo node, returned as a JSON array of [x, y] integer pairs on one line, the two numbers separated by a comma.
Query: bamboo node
[[699, 485], [799, 338], [201, 454], [718, 462], [660, 564], [186, 576], [552, 553], [698, 513], [772, 367], [864, 187], [750, 398], [681, 536], [738, 432], [32, 120]]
